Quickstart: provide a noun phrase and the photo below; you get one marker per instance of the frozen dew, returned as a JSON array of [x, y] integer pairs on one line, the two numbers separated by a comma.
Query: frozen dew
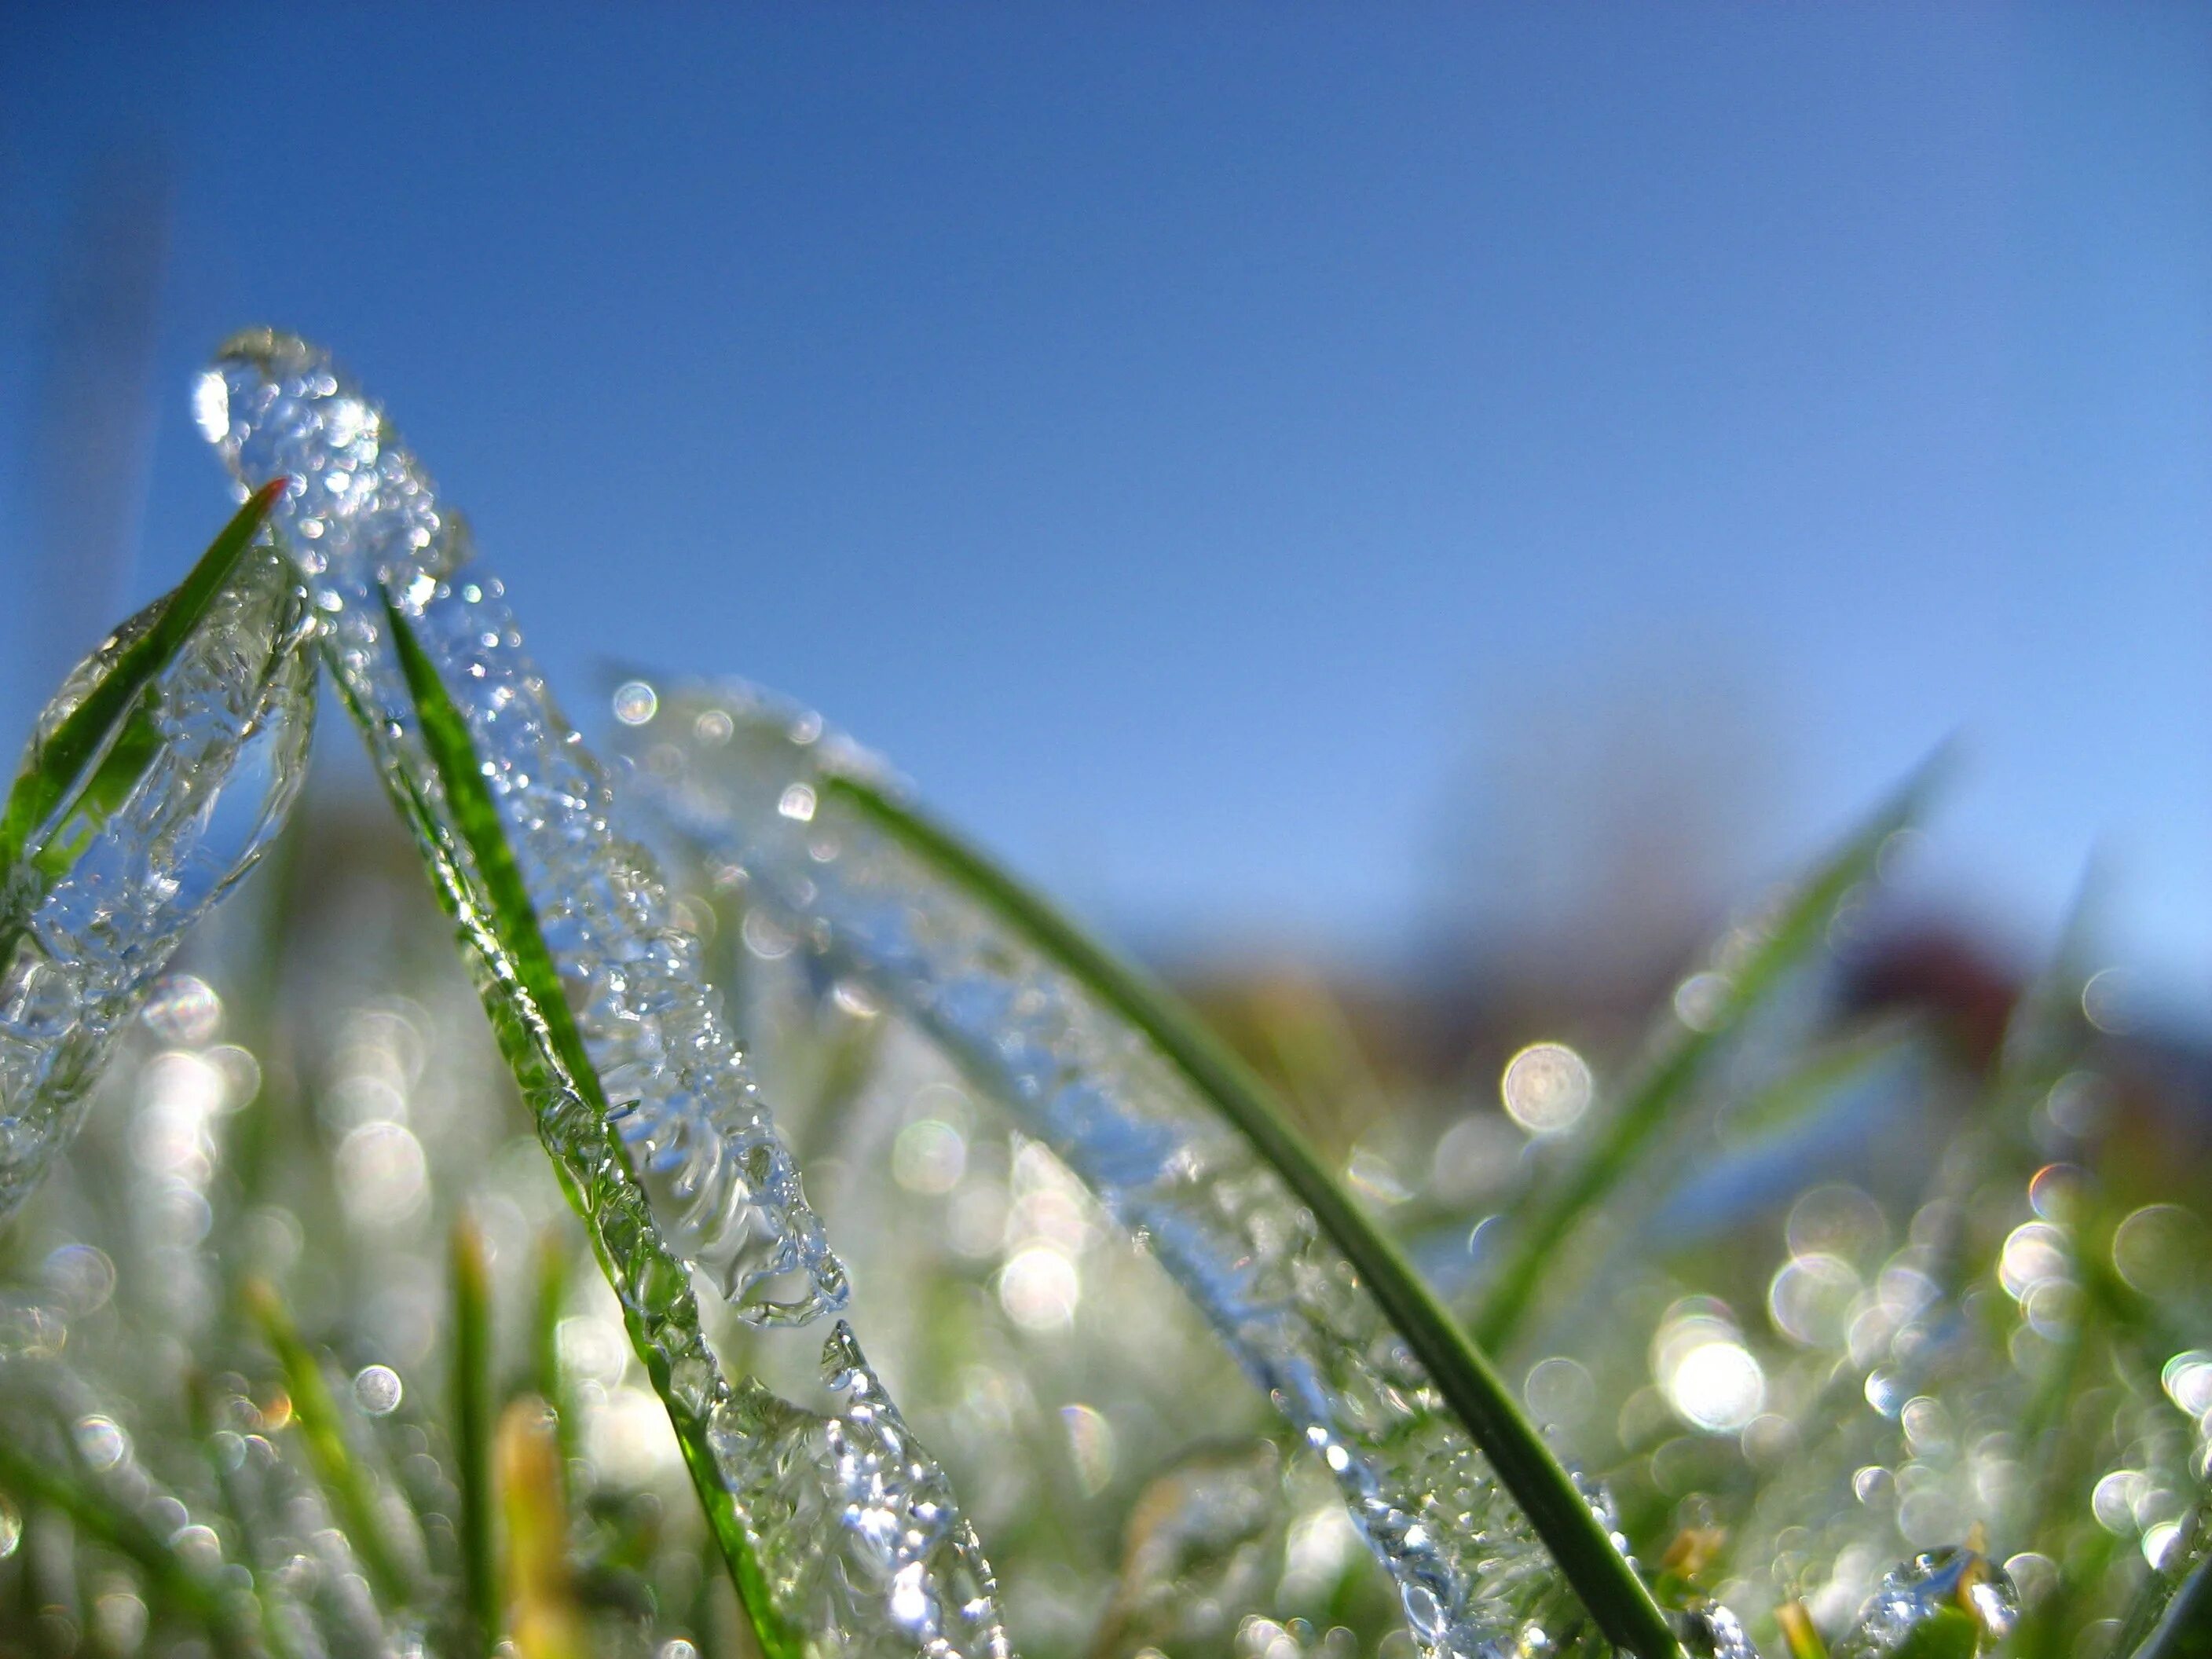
[[2158, 1249], [2187, 1379], [376, 1389], [797, 803], [591, 1350], [2114, 1498], [1710, 1630], [365, 521], [626, 1435], [1718, 1386], [2033, 1574], [1101, 1108], [929, 1157], [677, 1648], [1090, 1445], [81, 1276], [1951, 1584], [182, 1008], [1701, 1001], [119, 1622], [1559, 1392], [2160, 1542], [1546, 1088], [1698, 1359], [100, 1442], [2054, 1192], [383, 1176], [1836, 1220], [211, 406], [2106, 1001], [11, 1527], [1039, 1287], [103, 895], [635, 702], [2034, 1255], [1811, 1298]]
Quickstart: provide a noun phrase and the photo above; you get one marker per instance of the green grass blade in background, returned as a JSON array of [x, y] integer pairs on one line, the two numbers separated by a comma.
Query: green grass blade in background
[[351, 1487], [472, 1407], [1577, 1541], [548, 1296], [168, 1579], [538, 1036], [58, 767], [2184, 1629], [1613, 1154]]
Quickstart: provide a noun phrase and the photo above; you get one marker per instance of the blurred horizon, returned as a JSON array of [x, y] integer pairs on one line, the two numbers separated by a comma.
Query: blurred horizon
[[1354, 489]]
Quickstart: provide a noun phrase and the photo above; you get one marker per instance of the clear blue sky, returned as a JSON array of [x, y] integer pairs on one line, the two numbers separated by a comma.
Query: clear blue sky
[[1192, 439]]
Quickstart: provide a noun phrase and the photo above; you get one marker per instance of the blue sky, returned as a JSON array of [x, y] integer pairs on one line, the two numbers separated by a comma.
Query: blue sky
[[1235, 457]]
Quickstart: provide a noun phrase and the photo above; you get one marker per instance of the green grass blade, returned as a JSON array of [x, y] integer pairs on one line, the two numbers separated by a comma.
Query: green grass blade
[[1666, 1080], [538, 1036], [57, 768], [549, 1294], [167, 1576], [351, 1487], [1608, 1587], [472, 1391], [2185, 1630]]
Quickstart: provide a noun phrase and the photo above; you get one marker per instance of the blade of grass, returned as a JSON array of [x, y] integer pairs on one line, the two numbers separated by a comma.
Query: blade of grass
[[1667, 1078], [58, 765], [472, 1380], [538, 1036], [549, 1294], [349, 1485], [2185, 1630], [1600, 1575], [166, 1575], [546, 1625]]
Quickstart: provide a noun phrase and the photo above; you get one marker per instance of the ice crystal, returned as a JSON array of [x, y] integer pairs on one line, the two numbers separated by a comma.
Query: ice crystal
[[1952, 1585], [364, 519], [845, 1535], [751, 787], [224, 728]]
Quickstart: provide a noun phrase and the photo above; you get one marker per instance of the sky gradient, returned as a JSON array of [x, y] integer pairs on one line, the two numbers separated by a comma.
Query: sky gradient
[[1259, 469]]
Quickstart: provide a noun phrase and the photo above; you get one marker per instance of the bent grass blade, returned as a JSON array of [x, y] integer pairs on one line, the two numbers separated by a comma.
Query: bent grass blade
[[158, 774], [1536, 1238], [366, 519], [1187, 1147], [766, 1474], [56, 767]]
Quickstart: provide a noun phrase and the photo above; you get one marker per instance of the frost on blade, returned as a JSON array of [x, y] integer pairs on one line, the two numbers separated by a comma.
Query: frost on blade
[[841, 1533], [749, 785], [191, 788], [362, 517], [1944, 1603], [872, 1554]]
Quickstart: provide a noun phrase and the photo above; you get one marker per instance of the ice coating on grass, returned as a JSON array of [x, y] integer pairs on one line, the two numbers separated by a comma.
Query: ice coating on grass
[[844, 1533], [747, 785], [362, 519], [850, 1533], [225, 728], [1955, 1583]]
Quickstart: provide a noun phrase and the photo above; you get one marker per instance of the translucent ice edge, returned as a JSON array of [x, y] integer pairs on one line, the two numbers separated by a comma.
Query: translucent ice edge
[[745, 783], [229, 719], [363, 519], [845, 1535]]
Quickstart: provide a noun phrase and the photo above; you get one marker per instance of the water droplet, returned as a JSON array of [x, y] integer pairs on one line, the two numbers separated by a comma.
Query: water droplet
[[376, 1389], [1546, 1088], [635, 702]]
